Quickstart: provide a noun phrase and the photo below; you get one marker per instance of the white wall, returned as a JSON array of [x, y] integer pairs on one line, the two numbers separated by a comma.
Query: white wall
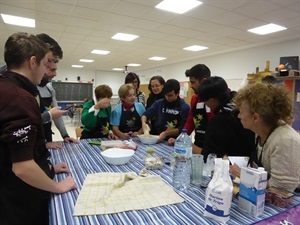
[[72, 74], [113, 79], [233, 67]]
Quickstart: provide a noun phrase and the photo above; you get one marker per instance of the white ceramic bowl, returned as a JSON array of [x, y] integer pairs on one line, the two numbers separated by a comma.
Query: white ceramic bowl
[[117, 156], [148, 140]]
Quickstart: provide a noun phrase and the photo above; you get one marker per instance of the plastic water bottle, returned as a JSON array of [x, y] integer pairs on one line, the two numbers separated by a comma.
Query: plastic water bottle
[[182, 167]]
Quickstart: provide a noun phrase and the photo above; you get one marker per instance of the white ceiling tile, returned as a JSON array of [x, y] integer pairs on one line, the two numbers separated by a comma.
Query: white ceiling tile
[[206, 12], [77, 30], [83, 25], [257, 8], [85, 13], [18, 11], [126, 8], [29, 4], [51, 18], [159, 16], [50, 26], [57, 8], [144, 24], [228, 18], [89, 24], [228, 5], [100, 5]]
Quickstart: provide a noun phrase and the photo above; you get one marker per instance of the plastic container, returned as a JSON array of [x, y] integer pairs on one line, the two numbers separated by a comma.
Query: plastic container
[[153, 162], [182, 166]]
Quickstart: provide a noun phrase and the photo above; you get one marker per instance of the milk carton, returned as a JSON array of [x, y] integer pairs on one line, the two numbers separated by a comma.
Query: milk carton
[[252, 190]]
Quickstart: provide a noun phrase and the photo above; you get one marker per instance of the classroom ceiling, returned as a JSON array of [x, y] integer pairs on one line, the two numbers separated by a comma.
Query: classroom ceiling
[[80, 26]]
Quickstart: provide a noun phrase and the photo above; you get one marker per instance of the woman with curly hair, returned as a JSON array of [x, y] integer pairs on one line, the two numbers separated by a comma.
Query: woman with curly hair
[[267, 109]]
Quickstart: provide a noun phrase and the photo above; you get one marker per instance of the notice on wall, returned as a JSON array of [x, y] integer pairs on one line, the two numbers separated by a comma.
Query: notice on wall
[[298, 97]]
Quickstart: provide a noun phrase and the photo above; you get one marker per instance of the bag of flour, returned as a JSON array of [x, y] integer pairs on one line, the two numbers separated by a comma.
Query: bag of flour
[[219, 192]]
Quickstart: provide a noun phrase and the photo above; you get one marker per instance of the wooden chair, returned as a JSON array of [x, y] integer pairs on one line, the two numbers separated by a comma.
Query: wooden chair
[[78, 131]]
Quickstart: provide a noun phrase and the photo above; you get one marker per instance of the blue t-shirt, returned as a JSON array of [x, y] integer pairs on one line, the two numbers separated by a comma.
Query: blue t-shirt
[[115, 116]]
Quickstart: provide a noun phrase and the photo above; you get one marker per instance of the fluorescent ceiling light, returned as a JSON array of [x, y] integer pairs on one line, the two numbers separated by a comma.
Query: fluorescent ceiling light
[[124, 37], [18, 21], [117, 69], [77, 66], [157, 58], [195, 48], [133, 64], [86, 60], [178, 6], [267, 29], [100, 52]]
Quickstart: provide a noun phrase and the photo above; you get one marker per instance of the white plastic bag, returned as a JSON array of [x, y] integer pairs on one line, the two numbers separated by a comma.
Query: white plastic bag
[[219, 193]]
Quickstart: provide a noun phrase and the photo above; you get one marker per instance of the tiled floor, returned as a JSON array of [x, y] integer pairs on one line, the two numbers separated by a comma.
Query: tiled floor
[[70, 124]]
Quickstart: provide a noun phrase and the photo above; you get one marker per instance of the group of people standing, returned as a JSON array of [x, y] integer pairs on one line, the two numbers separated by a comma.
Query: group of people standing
[[26, 171], [254, 122], [165, 111]]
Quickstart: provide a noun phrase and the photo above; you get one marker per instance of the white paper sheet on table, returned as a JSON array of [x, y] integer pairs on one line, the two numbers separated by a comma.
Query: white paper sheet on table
[[241, 161], [106, 193]]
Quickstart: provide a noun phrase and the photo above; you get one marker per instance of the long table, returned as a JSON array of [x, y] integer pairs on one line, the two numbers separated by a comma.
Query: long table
[[84, 159]]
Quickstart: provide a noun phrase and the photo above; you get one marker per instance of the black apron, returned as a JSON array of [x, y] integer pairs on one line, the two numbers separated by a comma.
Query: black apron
[[130, 121], [45, 105], [200, 121], [171, 114], [100, 131]]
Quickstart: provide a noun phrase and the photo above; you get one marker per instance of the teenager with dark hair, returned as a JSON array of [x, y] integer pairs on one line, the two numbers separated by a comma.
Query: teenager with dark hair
[[224, 134], [170, 113]]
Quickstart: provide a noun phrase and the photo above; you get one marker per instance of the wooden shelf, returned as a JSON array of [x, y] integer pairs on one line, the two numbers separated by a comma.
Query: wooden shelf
[[288, 77]]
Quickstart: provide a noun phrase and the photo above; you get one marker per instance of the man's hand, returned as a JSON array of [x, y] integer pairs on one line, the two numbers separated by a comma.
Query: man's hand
[[56, 112], [171, 141], [61, 168], [66, 185], [53, 145], [196, 149], [162, 136], [112, 136], [146, 128], [70, 139]]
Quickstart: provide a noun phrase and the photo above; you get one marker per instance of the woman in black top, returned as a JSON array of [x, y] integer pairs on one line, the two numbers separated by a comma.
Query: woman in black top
[[156, 85], [133, 78]]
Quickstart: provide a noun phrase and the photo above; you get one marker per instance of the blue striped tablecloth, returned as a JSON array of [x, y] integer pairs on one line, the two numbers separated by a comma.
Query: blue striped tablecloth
[[84, 158]]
